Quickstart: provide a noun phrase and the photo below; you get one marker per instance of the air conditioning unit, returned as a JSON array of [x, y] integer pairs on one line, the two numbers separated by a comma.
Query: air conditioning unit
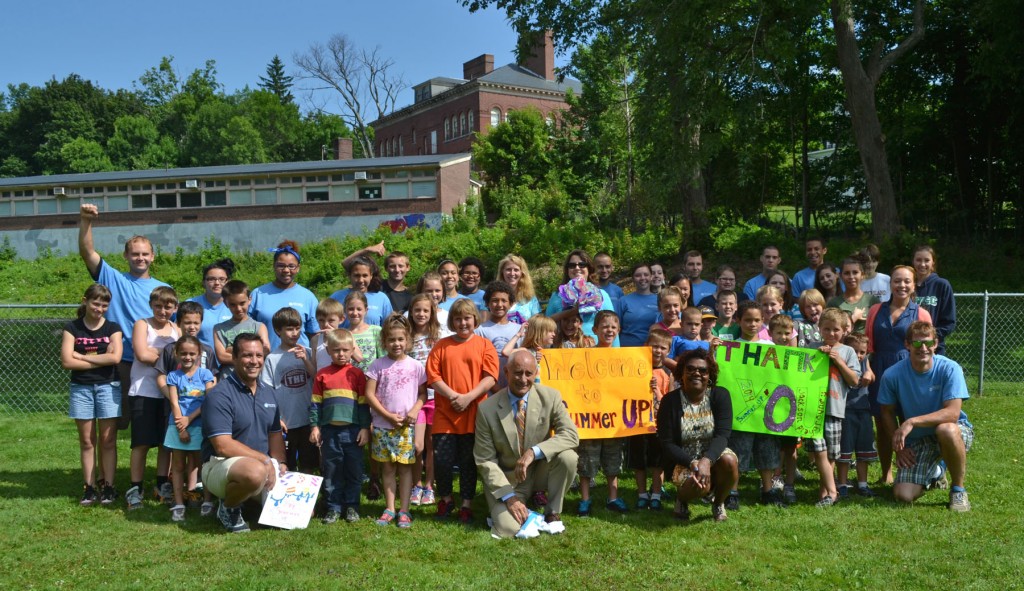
[[191, 184], [360, 176], [59, 191]]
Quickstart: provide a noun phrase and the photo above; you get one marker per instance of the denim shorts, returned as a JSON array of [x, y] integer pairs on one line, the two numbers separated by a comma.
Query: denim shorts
[[95, 401]]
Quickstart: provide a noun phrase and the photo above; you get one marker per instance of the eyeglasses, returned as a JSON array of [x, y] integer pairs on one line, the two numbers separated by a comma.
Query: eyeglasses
[[470, 274], [701, 371], [579, 265], [216, 279], [930, 343], [284, 267]]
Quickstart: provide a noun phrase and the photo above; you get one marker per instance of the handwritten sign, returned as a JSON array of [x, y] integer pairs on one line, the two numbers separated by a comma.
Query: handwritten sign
[[607, 391], [774, 390], [290, 504]]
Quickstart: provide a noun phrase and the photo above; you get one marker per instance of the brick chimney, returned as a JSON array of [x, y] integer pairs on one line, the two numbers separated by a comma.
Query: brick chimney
[[478, 66], [343, 148], [541, 60]]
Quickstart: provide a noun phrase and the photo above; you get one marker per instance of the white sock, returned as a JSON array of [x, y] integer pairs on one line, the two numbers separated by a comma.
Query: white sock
[[863, 484], [644, 496], [656, 496]]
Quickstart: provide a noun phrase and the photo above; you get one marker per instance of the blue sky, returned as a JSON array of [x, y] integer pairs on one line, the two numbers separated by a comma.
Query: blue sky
[[112, 42]]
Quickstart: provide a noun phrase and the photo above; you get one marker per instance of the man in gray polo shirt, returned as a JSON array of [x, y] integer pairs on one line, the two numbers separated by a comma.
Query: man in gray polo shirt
[[243, 449]]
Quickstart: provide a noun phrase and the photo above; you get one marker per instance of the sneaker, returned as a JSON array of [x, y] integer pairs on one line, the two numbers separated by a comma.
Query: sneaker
[[643, 503], [798, 475], [108, 495], [351, 515], [165, 493], [428, 497], [617, 505], [789, 495], [386, 518], [584, 509], [404, 520], [938, 477], [465, 516], [231, 519], [134, 498], [88, 496], [958, 501], [540, 499], [178, 513], [826, 502], [655, 505], [206, 509], [778, 483], [866, 492], [718, 512], [444, 509], [330, 517], [415, 496], [844, 492], [732, 502], [773, 497]]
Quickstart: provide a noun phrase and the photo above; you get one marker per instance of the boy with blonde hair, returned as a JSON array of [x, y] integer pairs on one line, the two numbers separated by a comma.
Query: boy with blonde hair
[[844, 372], [339, 420]]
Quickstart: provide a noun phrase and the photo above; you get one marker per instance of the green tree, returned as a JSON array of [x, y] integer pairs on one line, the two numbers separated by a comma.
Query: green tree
[[241, 143], [515, 152], [136, 144], [277, 82], [83, 155]]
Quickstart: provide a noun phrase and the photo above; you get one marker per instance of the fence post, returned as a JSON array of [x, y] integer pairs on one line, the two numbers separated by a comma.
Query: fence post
[[984, 342]]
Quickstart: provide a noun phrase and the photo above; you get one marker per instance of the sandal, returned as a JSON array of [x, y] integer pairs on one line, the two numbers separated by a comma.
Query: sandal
[[404, 520], [386, 517]]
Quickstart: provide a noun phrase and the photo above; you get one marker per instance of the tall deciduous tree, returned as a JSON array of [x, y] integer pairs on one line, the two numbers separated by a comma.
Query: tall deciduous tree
[[365, 82], [277, 81], [861, 80]]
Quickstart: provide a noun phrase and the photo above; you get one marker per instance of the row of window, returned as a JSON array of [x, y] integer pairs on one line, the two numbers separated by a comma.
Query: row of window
[[458, 126], [395, 185], [265, 182]]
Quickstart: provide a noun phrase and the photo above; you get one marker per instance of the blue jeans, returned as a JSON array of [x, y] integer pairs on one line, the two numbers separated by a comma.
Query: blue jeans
[[343, 465]]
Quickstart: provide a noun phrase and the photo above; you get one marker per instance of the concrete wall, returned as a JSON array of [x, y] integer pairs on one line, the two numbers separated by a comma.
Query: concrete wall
[[240, 235]]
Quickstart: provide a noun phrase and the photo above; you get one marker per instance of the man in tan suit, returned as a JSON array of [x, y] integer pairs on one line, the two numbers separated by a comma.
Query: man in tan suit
[[546, 458]]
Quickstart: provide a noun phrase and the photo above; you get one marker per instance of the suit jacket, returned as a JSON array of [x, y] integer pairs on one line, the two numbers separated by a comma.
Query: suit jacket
[[497, 443]]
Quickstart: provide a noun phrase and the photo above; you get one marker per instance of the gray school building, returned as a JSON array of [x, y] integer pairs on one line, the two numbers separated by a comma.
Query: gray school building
[[247, 207]]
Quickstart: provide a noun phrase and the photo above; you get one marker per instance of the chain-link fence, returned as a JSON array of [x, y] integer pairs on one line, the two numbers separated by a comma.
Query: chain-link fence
[[31, 378], [988, 342]]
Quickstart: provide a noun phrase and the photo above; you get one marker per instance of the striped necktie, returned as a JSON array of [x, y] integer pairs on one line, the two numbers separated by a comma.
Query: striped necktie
[[521, 424]]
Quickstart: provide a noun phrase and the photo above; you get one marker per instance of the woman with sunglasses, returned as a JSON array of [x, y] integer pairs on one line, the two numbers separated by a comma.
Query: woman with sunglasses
[[576, 290], [694, 424], [887, 325], [215, 311]]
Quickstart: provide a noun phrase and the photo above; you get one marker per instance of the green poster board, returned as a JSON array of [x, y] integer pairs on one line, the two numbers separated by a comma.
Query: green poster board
[[774, 390]]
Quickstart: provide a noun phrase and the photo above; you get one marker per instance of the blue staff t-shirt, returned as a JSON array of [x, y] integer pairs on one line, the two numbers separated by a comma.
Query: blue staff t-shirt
[[267, 299], [129, 301]]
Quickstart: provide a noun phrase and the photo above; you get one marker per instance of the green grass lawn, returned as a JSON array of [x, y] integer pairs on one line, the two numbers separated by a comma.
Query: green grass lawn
[[54, 543]]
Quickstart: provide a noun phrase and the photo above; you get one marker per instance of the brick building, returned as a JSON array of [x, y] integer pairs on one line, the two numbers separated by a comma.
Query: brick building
[[448, 111]]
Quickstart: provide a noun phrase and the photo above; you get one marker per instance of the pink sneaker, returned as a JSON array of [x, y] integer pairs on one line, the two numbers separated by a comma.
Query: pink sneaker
[[428, 497], [416, 495]]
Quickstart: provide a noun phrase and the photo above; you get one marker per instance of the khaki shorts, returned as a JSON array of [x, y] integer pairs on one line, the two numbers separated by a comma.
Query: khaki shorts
[[215, 474]]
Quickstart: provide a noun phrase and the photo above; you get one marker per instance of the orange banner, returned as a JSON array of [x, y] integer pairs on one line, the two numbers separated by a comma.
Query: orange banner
[[607, 391]]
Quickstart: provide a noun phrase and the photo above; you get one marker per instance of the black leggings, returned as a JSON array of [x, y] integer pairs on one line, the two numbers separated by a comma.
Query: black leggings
[[451, 450]]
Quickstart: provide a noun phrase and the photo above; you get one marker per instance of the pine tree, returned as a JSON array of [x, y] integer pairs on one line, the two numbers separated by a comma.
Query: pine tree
[[277, 82]]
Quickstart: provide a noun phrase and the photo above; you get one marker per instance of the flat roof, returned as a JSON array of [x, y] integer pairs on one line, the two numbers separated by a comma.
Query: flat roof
[[199, 172]]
